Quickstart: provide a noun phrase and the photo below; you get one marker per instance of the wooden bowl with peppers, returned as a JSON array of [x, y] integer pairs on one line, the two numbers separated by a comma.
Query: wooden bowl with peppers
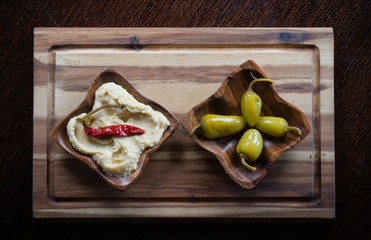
[[60, 135], [246, 124]]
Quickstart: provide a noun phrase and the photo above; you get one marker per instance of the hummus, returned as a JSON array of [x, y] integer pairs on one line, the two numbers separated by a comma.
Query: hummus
[[118, 156]]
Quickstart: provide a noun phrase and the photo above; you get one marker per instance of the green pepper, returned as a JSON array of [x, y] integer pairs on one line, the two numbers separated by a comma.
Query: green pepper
[[275, 126], [216, 126], [251, 102], [249, 147]]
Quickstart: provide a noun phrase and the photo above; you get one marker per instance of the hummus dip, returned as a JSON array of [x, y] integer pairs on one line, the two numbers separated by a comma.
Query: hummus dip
[[118, 156]]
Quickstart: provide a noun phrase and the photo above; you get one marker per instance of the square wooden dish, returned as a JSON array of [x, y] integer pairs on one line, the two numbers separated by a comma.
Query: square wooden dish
[[226, 101], [179, 68], [59, 134]]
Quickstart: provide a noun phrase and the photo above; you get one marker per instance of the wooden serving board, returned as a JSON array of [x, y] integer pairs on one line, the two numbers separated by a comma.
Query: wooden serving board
[[178, 68]]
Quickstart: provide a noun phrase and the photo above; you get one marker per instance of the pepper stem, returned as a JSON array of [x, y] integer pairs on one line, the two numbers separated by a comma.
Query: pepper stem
[[195, 129], [291, 128], [258, 80], [86, 120], [243, 161], [252, 75]]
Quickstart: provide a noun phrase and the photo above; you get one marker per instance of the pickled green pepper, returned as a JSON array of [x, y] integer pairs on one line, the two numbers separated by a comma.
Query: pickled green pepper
[[250, 147], [275, 126], [251, 102], [216, 126]]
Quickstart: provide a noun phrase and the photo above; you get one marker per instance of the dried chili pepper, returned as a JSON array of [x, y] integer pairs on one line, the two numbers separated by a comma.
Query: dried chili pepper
[[114, 130], [123, 130]]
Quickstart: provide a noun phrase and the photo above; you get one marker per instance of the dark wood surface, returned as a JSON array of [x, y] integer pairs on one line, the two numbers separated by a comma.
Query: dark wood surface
[[350, 21]]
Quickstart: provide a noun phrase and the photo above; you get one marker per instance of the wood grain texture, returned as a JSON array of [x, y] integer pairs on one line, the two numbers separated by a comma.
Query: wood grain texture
[[351, 25], [183, 54]]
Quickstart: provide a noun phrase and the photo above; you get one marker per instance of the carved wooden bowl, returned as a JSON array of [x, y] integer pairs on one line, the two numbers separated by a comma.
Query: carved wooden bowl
[[226, 101], [59, 134]]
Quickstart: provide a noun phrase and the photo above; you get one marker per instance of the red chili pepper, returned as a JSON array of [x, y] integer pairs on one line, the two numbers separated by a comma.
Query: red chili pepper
[[114, 130]]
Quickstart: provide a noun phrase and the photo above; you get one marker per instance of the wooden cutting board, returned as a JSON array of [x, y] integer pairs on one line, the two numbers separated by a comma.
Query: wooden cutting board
[[178, 68]]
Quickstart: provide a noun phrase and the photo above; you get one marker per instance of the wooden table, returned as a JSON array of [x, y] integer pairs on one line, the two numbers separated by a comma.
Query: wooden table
[[351, 29]]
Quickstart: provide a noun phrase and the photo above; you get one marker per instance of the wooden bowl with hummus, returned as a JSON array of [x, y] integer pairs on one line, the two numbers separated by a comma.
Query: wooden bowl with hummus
[[226, 101], [110, 102]]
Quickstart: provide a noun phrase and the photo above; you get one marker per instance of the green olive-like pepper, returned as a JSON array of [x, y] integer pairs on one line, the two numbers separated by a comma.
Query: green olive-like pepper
[[250, 147], [275, 126], [251, 103], [216, 126]]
